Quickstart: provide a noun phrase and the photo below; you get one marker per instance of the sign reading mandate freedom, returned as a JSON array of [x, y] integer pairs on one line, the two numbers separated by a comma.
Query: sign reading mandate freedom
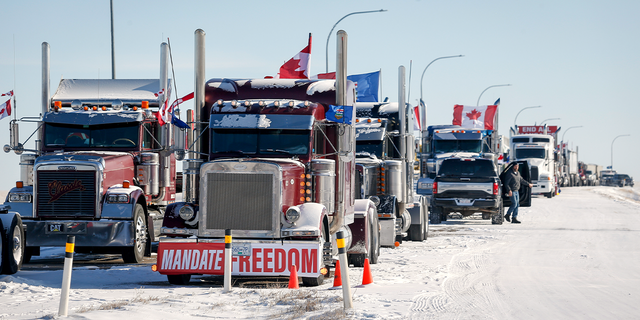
[[249, 258]]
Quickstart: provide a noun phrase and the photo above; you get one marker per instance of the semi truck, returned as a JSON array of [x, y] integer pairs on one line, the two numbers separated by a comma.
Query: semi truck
[[539, 150], [102, 169], [11, 240], [384, 163], [273, 162], [440, 142]]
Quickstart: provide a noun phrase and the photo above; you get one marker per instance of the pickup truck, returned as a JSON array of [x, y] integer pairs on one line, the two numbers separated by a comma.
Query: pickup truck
[[470, 185]]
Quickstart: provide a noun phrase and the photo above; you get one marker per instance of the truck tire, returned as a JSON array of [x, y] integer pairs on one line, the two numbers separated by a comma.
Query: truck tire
[[179, 279], [135, 254], [497, 217], [436, 215], [375, 242], [416, 231], [13, 247], [29, 252]]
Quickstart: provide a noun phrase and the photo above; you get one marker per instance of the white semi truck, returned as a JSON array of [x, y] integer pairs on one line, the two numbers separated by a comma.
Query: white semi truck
[[539, 151]]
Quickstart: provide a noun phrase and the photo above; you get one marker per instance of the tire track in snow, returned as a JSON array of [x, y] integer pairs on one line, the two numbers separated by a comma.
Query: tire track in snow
[[470, 285]]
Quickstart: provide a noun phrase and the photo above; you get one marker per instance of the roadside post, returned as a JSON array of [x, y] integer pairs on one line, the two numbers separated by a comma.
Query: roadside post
[[66, 276], [344, 270], [227, 261]]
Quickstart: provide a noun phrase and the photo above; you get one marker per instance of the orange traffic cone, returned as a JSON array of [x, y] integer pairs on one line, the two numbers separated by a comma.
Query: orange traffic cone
[[337, 280], [366, 275], [293, 278]]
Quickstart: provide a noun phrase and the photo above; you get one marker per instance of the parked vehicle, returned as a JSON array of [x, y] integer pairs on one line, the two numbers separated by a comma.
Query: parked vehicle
[[384, 163], [539, 151], [606, 177], [621, 180], [102, 169], [471, 185], [275, 166], [12, 241]]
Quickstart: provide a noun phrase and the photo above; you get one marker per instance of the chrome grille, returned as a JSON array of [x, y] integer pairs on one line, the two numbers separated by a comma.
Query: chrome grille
[[239, 201], [66, 194], [534, 173]]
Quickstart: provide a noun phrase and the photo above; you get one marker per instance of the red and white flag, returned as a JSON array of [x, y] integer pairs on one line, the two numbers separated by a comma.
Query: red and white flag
[[474, 117], [5, 108], [166, 113], [164, 116], [298, 66], [416, 120]]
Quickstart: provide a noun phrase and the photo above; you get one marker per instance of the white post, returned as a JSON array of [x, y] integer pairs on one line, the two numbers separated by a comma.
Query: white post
[[227, 261], [344, 270], [66, 276]]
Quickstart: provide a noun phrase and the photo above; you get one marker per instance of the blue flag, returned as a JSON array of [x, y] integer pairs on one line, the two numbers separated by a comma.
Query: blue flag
[[177, 122], [367, 85], [341, 114]]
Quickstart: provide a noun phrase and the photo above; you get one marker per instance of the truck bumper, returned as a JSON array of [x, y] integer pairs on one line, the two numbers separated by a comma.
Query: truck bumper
[[540, 187], [102, 233], [267, 258], [475, 204]]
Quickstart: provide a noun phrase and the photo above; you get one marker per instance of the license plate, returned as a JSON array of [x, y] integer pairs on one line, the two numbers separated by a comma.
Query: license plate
[[464, 201], [55, 227], [241, 249]]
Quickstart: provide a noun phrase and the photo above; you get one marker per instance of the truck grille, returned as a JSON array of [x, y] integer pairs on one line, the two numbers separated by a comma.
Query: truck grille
[[239, 201], [534, 173], [66, 194]]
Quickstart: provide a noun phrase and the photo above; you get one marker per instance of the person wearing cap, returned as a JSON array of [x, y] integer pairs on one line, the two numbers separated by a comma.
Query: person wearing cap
[[512, 185]]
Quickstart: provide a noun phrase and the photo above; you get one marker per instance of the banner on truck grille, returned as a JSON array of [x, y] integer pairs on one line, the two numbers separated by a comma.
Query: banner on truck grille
[[249, 258]]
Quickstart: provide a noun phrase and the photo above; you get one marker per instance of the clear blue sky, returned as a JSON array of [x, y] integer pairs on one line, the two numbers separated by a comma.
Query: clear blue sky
[[576, 59]]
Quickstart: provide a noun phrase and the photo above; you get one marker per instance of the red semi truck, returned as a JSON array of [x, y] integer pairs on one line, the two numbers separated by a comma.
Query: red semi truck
[[272, 167], [102, 169]]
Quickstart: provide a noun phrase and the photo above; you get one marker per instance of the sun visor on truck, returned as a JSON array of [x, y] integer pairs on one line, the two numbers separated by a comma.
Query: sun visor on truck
[[458, 135], [93, 118], [261, 121], [370, 131]]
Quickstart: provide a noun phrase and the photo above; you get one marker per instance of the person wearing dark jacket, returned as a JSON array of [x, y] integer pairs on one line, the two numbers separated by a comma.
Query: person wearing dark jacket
[[512, 185]]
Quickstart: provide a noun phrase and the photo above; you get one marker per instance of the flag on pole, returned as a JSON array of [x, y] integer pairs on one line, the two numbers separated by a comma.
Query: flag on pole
[[175, 121], [5, 108], [164, 114], [298, 66], [367, 84], [475, 117], [416, 122]]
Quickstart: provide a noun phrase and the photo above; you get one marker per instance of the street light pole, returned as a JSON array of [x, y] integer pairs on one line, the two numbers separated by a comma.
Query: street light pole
[[423, 107], [525, 108], [565, 132], [614, 140], [497, 85], [545, 120], [334, 26]]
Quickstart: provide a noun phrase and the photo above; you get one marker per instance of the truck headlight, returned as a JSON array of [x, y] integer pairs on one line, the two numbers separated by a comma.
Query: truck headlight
[[20, 197], [292, 215], [117, 198], [186, 213]]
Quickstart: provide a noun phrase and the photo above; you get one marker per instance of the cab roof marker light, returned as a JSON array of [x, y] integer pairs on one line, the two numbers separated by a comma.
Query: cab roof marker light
[[276, 104], [247, 104], [234, 104], [307, 103], [261, 103], [291, 104], [145, 105]]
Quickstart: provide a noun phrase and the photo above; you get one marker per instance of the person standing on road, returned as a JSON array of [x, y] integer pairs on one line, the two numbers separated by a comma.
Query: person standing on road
[[512, 184]]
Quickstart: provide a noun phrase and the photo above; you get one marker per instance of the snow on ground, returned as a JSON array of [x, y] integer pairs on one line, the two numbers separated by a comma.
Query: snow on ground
[[574, 256]]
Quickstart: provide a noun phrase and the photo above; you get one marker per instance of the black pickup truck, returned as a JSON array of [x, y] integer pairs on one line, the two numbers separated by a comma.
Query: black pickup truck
[[470, 185]]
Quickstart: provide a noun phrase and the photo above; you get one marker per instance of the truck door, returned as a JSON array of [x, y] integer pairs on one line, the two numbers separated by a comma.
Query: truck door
[[525, 191]]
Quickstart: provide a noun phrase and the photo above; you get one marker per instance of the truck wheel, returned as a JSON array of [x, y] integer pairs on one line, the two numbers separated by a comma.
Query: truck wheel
[[135, 254], [313, 282], [374, 248], [13, 247], [357, 259], [179, 279], [497, 217], [435, 216], [416, 231]]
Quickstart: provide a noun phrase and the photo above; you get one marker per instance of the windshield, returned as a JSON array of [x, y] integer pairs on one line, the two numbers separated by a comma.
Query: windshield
[[367, 148], [445, 146], [119, 135], [456, 167], [254, 141], [529, 153]]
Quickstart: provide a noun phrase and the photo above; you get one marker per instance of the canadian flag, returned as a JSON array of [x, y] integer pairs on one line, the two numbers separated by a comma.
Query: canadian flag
[[5, 108], [164, 114], [298, 66], [474, 117]]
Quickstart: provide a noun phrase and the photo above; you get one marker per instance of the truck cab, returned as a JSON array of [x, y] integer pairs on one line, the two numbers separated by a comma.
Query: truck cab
[[539, 151]]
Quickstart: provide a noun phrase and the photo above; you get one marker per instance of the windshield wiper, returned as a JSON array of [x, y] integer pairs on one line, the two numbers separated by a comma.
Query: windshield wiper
[[276, 150], [231, 151]]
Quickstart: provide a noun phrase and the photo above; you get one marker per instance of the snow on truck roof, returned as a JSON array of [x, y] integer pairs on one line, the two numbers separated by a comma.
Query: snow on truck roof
[[107, 90]]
